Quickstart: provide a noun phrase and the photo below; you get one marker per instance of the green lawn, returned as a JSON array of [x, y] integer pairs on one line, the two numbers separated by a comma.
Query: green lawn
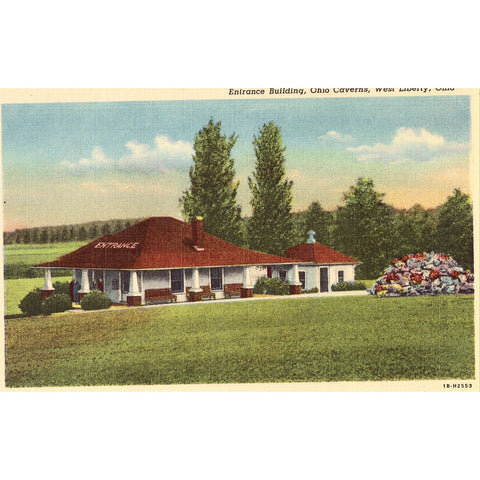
[[38, 253], [285, 340], [16, 289]]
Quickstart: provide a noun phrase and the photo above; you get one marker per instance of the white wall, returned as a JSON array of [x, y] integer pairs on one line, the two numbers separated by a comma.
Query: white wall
[[348, 274], [233, 274], [156, 279], [113, 295], [311, 276]]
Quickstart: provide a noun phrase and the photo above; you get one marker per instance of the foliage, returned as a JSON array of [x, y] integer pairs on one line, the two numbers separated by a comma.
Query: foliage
[[320, 221], [212, 193], [415, 230], [364, 228], [271, 286], [284, 340], [62, 287], [454, 235], [95, 300], [311, 290], [66, 233], [15, 290], [271, 228], [31, 303], [348, 286], [60, 302]]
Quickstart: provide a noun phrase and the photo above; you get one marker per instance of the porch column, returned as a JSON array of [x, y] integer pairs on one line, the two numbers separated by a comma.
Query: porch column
[[134, 296], [295, 285], [247, 289], [84, 284], [47, 289], [193, 293]]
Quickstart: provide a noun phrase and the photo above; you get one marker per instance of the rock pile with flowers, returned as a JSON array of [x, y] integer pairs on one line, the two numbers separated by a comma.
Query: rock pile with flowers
[[423, 274]]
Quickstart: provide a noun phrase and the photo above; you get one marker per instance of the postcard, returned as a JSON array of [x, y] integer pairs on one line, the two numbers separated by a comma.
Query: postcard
[[240, 239]]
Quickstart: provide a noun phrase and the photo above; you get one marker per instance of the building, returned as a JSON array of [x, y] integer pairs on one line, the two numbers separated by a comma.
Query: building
[[163, 253], [165, 258], [321, 267]]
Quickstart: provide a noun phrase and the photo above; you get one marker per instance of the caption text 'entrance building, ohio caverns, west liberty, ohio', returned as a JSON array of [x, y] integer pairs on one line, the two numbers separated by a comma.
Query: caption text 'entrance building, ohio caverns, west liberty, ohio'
[[162, 258]]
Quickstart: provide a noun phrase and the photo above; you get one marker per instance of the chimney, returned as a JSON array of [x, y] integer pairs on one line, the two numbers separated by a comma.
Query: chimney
[[197, 233]]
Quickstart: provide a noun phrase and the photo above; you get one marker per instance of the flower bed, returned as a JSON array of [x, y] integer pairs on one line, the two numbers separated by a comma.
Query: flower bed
[[423, 274]]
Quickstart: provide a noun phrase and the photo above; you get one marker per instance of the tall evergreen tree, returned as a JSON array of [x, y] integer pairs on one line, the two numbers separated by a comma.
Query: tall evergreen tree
[[212, 193], [454, 234], [320, 221], [271, 228], [364, 228]]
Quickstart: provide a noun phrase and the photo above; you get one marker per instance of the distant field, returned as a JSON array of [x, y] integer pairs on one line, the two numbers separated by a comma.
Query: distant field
[[38, 253], [16, 289], [282, 340]]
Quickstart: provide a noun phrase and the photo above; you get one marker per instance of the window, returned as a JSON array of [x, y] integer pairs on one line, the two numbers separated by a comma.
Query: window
[[282, 274], [115, 284], [176, 281], [216, 278], [125, 282], [341, 276], [301, 277]]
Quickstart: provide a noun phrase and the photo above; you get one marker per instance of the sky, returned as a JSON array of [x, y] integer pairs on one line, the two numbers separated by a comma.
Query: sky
[[66, 163]]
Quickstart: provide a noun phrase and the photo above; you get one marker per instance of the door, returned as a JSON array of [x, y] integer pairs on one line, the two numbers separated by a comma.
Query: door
[[323, 279]]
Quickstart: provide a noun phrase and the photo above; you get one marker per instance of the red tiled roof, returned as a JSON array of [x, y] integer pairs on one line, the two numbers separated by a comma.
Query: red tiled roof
[[160, 242], [317, 253]]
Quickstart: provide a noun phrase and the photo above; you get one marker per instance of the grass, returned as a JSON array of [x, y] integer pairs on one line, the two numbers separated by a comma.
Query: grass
[[38, 253], [287, 340], [16, 289]]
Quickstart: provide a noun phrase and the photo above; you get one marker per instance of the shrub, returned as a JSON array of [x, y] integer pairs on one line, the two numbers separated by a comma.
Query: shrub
[[60, 302], [95, 301], [271, 286], [62, 287], [31, 303], [348, 286], [311, 290]]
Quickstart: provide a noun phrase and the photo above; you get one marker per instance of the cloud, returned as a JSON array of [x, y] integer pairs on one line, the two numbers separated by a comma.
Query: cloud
[[335, 137], [163, 156], [98, 159], [409, 144]]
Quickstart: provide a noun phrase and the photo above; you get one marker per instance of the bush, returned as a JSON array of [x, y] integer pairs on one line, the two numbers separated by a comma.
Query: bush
[[62, 287], [95, 300], [311, 290], [348, 286], [31, 303], [60, 302], [271, 286]]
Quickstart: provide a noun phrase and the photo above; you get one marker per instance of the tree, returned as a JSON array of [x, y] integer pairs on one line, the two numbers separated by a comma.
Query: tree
[[364, 228], [64, 234], [320, 221], [212, 193], [454, 234], [415, 230], [82, 233], [93, 231], [271, 228]]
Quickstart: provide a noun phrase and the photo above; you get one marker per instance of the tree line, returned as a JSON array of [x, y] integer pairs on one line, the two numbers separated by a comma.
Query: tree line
[[67, 233]]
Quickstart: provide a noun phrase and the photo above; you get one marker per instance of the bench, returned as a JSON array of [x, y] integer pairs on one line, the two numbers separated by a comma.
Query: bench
[[207, 293], [232, 289], [159, 295]]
